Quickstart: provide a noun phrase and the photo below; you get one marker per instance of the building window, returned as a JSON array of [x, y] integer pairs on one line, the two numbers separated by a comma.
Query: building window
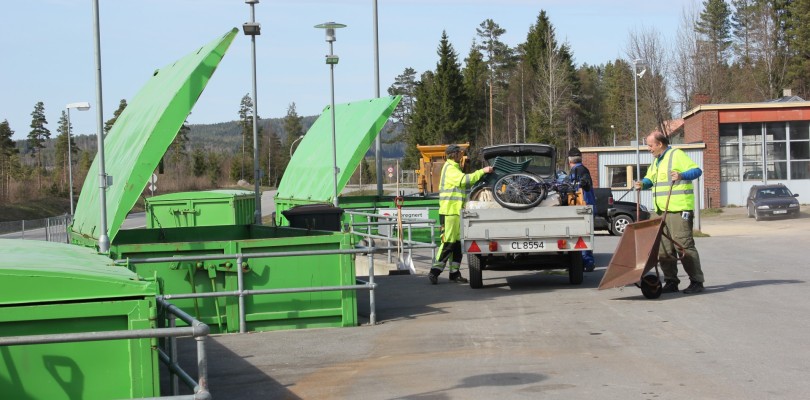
[[799, 150], [729, 152], [622, 176], [776, 146]]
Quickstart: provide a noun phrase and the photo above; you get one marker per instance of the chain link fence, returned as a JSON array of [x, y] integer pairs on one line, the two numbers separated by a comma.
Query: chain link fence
[[53, 229]]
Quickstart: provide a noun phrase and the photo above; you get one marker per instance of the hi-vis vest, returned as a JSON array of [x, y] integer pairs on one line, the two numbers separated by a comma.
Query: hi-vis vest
[[452, 186], [683, 195]]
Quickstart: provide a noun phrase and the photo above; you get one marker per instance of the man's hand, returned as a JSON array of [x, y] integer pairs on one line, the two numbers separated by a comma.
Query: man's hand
[[637, 184], [675, 175], [488, 169]]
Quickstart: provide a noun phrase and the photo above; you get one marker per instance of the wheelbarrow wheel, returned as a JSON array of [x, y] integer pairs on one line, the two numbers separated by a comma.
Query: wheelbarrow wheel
[[651, 286]]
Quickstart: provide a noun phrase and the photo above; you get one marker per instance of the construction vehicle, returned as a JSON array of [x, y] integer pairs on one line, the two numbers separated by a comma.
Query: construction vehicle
[[430, 166]]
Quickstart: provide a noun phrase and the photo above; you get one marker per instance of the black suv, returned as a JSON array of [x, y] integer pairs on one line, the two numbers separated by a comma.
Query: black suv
[[771, 201], [614, 216]]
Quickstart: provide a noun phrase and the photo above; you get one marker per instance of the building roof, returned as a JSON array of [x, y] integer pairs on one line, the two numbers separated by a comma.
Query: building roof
[[783, 102]]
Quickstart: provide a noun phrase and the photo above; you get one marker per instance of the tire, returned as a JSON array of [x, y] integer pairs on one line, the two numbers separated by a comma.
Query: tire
[[619, 223], [476, 277], [519, 191], [757, 216], [576, 268], [750, 212], [651, 286]]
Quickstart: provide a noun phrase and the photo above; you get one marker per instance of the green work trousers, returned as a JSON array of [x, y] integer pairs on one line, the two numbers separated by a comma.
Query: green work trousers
[[679, 229]]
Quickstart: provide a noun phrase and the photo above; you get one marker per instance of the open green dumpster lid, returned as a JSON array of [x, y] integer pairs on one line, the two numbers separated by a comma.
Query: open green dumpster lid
[[309, 174], [142, 133], [45, 272]]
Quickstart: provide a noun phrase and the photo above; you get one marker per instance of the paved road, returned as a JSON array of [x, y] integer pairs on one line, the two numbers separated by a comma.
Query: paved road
[[531, 335]]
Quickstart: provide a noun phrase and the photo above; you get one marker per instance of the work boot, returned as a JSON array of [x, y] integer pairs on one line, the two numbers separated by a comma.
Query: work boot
[[694, 287], [456, 277], [433, 275], [671, 287]]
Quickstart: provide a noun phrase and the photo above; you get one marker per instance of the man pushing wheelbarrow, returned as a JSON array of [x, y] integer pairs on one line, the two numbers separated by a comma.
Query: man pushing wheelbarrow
[[670, 176]]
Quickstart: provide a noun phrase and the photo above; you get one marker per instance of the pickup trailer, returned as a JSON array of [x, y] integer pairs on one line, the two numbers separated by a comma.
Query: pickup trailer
[[550, 235]]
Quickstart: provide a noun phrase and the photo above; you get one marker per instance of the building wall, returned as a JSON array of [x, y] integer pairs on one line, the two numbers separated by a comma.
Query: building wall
[[591, 161]]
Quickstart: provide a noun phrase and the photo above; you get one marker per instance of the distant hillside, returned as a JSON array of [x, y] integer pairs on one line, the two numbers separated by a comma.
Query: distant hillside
[[224, 136]]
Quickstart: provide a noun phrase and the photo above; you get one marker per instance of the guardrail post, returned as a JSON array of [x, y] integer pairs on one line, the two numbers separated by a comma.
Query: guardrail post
[[173, 355], [240, 283]]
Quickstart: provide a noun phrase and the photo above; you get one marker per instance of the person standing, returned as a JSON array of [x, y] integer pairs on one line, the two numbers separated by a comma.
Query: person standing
[[672, 167], [580, 177], [452, 185]]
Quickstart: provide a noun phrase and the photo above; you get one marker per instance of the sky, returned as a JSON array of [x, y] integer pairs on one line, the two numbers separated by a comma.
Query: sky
[[48, 48]]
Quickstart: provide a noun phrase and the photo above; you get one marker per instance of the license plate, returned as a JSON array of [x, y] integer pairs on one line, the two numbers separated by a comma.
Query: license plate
[[527, 245], [780, 212]]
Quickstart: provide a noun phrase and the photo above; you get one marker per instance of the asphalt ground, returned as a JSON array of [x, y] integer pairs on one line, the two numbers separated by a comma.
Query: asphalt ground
[[529, 335]]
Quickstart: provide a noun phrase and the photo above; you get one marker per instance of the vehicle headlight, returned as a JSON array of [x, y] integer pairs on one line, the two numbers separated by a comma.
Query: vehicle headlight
[[765, 207], [794, 205]]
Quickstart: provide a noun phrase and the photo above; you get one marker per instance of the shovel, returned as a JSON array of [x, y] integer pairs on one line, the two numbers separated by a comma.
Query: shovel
[[404, 264]]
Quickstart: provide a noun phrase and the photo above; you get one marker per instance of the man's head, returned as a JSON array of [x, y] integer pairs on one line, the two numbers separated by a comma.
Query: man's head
[[574, 156], [453, 152], [657, 143]]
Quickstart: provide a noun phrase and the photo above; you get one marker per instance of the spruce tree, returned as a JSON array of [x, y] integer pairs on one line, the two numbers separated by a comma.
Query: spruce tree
[[37, 137], [8, 150], [110, 122]]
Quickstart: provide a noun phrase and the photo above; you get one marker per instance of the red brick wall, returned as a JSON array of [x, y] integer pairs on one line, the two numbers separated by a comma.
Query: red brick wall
[[704, 127], [591, 161]]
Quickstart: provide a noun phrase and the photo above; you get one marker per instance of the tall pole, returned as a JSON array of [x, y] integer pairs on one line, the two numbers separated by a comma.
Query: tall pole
[[635, 97], [334, 141], [257, 215], [70, 163], [378, 141], [103, 238]]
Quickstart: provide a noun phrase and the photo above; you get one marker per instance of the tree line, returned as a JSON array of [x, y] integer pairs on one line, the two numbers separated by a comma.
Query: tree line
[[724, 52]]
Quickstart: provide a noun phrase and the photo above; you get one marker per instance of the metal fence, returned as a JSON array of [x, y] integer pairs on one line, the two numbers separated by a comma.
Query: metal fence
[[53, 229]]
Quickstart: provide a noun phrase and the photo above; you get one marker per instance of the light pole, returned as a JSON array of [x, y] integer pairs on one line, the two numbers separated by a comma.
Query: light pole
[[253, 29], [614, 134], [293, 144], [636, 64], [378, 141], [331, 60], [104, 180], [81, 106]]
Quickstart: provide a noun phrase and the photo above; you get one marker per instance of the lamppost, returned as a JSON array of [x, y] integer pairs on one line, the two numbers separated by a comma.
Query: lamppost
[[81, 106], [378, 141], [104, 180], [293, 144], [331, 60], [636, 64], [253, 29], [614, 134]]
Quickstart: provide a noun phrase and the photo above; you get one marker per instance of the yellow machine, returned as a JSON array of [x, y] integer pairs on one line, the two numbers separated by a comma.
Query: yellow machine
[[430, 165]]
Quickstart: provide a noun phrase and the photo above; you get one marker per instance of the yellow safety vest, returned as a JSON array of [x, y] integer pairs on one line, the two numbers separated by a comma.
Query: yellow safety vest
[[683, 194], [452, 185]]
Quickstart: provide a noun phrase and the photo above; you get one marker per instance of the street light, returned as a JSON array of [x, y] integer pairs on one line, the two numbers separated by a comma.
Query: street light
[[636, 64], [293, 144], [378, 140], [331, 60], [81, 106], [614, 134], [104, 180], [253, 29]]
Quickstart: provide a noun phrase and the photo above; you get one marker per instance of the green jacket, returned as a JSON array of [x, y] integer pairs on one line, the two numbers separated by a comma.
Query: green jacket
[[452, 186]]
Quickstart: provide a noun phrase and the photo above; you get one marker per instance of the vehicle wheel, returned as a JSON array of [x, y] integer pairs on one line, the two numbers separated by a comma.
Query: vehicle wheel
[[519, 191], [757, 216], [651, 286], [619, 224], [750, 212], [576, 268], [475, 263]]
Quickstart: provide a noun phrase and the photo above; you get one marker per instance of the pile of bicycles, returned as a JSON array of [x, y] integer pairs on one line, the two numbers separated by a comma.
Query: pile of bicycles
[[514, 188]]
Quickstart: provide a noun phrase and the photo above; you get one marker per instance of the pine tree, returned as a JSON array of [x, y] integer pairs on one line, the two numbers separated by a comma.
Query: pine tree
[[798, 34], [497, 59], [37, 137], [8, 150], [294, 129], [198, 164], [110, 122], [714, 26], [475, 85], [246, 125], [404, 85], [450, 98], [61, 151]]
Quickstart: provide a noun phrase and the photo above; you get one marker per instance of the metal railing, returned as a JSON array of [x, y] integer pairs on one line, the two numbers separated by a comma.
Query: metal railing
[[241, 292], [196, 329], [53, 229]]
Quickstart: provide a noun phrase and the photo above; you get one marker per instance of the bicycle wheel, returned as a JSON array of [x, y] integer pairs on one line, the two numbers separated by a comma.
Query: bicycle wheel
[[519, 191]]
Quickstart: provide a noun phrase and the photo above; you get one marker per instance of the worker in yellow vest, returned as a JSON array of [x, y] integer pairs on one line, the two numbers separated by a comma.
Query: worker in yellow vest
[[452, 185], [673, 167]]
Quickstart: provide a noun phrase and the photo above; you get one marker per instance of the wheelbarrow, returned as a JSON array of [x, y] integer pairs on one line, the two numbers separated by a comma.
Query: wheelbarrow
[[637, 254]]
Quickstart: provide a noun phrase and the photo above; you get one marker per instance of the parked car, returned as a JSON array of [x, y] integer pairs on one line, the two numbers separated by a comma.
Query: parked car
[[772, 201], [614, 216]]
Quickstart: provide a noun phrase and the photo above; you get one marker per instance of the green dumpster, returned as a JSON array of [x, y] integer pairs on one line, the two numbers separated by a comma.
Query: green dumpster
[[206, 208], [50, 288]]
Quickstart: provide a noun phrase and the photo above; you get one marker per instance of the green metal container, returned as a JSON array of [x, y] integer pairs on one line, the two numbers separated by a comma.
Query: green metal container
[[263, 312], [51, 288], [207, 208]]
